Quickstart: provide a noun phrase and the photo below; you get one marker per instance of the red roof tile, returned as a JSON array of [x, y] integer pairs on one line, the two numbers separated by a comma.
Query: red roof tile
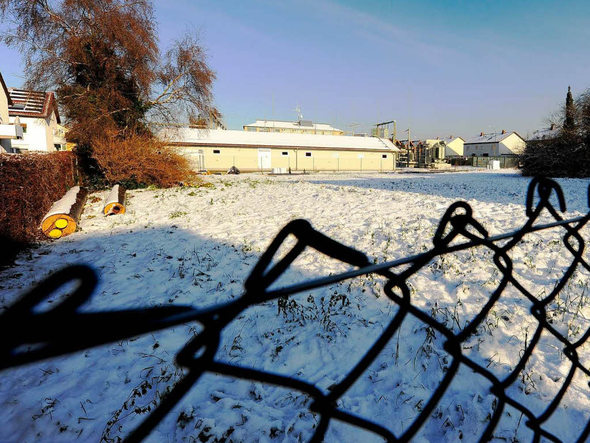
[[33, 104]]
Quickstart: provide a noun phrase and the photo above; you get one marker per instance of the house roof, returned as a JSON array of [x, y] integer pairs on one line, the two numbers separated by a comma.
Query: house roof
[[491, 138], [444, 139], [451, 138], [306, 124], [3, 86], [545, 134], [219, 137], [34, 104]]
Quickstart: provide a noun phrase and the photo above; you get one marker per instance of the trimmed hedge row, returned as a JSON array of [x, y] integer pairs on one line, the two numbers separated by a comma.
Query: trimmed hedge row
[[29, 184]]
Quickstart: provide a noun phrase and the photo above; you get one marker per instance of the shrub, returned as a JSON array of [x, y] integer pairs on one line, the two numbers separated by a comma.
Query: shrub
[[29, 184], [564, 156], [140, 161], [568, 154]]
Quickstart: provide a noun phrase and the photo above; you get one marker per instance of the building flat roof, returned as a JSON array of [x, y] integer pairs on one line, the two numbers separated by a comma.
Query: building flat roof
[[303, 124], [219, 137]]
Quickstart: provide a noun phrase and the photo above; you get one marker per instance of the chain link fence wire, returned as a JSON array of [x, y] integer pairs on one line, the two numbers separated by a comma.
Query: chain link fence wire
[[29, 336]]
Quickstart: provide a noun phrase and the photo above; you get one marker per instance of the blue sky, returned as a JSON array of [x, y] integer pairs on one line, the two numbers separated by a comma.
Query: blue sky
[[439, 67]]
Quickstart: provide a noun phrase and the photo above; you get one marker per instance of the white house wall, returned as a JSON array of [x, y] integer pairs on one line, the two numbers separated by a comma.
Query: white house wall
[[39, 135], [454, 148], [51, 130], [5, 144], [512, 144], [3, 106], [482, 149]]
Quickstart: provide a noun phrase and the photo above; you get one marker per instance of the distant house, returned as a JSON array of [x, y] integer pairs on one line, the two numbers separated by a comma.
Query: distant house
[[219, 150], [59, 138], [494, 145], [298, 127], [39, 118], [8, 131], [436, 147], [549, 133], [445, 147], [454, 146]]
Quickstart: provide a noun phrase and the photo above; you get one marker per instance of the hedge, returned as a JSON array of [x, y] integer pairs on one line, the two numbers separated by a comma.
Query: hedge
[[29, 184]]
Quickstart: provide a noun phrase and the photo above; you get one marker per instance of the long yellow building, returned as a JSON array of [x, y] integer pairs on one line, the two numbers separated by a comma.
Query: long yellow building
[[219, 150]]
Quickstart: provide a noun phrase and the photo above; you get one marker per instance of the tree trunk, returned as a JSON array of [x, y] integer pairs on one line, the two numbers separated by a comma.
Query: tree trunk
[[115, 201], [62, 219]]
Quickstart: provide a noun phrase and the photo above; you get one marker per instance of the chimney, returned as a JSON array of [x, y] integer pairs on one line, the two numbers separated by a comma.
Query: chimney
[[503, 131], [481, 134], [552, 128]]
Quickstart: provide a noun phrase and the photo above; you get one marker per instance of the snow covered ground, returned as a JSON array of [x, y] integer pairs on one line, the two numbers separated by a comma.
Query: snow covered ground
[[197, 246]]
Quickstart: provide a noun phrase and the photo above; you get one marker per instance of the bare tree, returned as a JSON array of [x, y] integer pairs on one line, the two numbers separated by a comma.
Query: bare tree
[[101, 58], [184, 82]]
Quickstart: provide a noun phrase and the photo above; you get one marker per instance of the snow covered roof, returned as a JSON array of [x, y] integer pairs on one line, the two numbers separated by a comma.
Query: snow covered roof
[[301, 124], [443, 139], [545, 134], [452, 138], [218, 137], [493, 137], [35, 104]]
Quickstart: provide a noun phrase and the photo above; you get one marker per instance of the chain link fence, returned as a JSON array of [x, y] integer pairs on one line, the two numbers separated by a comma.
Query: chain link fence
[[30, 336]]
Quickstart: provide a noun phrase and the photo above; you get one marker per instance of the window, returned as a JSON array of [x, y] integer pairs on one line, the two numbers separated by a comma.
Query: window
[[216, 151], [384, 156], [285, 153], [308, 154]]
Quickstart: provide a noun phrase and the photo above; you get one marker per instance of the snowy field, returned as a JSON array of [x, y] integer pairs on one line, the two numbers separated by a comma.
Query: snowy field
[[197, 246]]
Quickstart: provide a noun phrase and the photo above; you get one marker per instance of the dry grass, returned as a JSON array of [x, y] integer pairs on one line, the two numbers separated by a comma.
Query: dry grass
[[141, 160]]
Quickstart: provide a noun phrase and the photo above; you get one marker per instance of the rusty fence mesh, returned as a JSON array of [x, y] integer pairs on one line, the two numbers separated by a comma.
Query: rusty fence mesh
[[457, 231]]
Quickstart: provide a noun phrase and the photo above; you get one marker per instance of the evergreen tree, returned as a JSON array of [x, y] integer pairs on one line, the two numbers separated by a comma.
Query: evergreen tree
[[570, 112]]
